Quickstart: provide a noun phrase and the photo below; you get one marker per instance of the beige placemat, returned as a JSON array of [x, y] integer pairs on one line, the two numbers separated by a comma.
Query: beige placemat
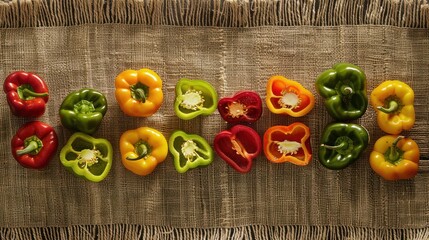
[[271, 200]]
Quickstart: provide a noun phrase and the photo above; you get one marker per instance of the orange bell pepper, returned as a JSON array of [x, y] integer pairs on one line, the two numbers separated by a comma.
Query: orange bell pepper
[[289, 97], [139, 93], [142, 149], [394, 102], [288, 144], [395, 157]]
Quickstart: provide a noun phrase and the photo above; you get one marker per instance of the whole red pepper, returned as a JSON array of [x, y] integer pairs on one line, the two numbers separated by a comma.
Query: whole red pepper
[[26, 94], [34, 144], [243, 107], [238, 147]]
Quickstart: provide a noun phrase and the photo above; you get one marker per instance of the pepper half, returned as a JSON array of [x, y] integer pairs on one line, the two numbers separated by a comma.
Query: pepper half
[[341, 144], [194, 98], [26, 93], [344, 89], [394, 103], [142, 149], [139, 93], [189, 151], [34, 144], [289, 97], [288, 144], [87, 157], [238, 147], [83, 110], [243, 107], [395, 157]]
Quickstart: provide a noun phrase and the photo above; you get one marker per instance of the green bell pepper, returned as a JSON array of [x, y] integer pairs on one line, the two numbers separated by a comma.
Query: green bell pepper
[[342, 144], [83, 110], [87, 157], [193, 98], [189, 151], [344, 89]]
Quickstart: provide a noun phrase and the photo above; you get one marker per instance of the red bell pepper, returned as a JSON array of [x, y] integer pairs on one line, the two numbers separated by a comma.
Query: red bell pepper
[[288, 144], [26, 93], [238, 147], [243, 107], [34, 144]]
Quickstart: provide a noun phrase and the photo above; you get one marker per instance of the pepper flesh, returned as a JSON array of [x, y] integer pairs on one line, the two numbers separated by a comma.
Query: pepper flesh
[[238, 147], [288, 144], [342, 144], [194, 98], [139, 93], [87, 157], [243, 107], [142, 149], [344, 89], [83, 110], [26, 93], [394, 102], [289, 97], [395, 157], [34, 144], [189, 151]]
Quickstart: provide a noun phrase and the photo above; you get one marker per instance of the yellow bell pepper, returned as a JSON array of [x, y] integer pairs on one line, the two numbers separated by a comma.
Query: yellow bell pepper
[[142, 149], [395, 157], [394, 101], [139, 93]]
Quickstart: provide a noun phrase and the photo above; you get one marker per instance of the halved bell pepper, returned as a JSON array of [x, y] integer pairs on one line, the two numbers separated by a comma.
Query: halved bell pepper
[[288, 144], [341, 144], [289, 97], [395, 157], [34, 144], [26, 93], [394, 103], [139, 93], [238, 147], [189, 151], [142, 149], [87, 157], [194, 98], [344, 89], [243, 107], [83, 110]]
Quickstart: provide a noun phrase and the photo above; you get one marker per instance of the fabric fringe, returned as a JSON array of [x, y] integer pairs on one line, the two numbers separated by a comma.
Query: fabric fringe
[[125, 231], [222, 13]]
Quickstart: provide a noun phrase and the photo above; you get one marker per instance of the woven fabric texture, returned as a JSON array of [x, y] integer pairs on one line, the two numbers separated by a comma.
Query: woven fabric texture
[[70, 58]]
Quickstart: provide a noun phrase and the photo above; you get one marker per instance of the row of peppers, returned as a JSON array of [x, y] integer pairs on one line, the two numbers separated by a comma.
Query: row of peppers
[[139, 93]]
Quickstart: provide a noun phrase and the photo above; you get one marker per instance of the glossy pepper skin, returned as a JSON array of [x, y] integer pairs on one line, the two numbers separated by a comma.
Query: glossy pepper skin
[[243, 107], [142, 149], [83, 110], [395, 157], [87, 157], [34, 144], [238, 147], [194, 98], [26, 93], [341, 144], [394, 102], [344, 89], [288, 97], [288, 144], [139, 92], [189, 151]]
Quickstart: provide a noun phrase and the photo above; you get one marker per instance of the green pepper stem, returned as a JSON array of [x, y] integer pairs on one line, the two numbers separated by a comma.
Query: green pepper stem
[[141, 150], [339, 146], [346, 90], [392, 107], [393, 154], [140, 94], [32, 146], [28, 93]]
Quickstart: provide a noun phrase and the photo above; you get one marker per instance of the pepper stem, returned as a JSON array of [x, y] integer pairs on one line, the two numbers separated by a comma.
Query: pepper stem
[[392, 107], [393, 153], [339, 146], [139, 92], [26, 92], [346, 90], [32, 145], [142, 151]]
